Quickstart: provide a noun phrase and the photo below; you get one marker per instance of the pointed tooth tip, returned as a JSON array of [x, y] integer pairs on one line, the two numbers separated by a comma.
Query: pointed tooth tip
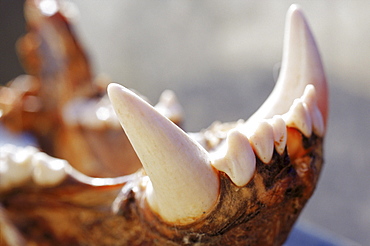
[[294, 9], [184, 184], [301, 65], [117, 92]]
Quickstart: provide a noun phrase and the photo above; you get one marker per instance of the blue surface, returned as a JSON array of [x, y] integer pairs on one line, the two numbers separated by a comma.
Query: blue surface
[[307, 234]]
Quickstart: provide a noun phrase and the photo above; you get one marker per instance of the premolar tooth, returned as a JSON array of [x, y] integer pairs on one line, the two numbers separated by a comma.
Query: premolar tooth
[[185, 186], [261, 137], [48, 171], [238, 160], [169, 106], [309, 97], [301, 65], [299, 117], [280, 133]]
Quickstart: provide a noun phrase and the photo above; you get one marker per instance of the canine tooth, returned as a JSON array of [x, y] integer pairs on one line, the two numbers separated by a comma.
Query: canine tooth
[[261, 137], [48, 171], [185, 186], [280, 133], [309, 97], [301, 65], [238, 160], [298, 116]]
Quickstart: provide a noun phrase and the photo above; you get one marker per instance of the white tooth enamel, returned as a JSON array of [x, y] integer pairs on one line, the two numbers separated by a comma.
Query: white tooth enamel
[[280, 133], [261, 137], [238, 160], [48, 171], [301, 65], [169, 106], [15, 166], [309, 97], [185, 185], [299, 117]]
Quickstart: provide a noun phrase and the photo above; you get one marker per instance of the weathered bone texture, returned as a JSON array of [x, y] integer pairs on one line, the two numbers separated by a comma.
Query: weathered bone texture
[[85, 210], [60, 79], [259, 213]]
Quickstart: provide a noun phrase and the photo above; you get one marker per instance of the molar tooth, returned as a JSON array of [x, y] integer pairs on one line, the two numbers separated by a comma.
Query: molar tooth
[[280, 133], [261, 137], [309, 97], [48, 171], [184, 184], [238, 160], [15, 165], [301, 65], [298, 116]]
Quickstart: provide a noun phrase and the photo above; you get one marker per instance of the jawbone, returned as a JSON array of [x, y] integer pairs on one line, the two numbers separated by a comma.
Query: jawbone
[[241, 183]]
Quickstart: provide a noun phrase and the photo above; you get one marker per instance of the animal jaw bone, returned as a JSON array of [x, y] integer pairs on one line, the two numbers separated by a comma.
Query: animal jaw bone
[[260, 172], [60, 103]]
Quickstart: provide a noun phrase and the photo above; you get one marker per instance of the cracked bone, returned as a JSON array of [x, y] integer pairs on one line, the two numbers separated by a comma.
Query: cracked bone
[[185, 186]]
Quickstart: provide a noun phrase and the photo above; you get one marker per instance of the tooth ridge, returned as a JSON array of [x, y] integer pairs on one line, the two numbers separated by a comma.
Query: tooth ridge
[[310, 98], [299, 117]]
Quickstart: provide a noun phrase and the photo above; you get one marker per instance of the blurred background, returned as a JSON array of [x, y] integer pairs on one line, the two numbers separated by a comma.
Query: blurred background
[[222, 58]]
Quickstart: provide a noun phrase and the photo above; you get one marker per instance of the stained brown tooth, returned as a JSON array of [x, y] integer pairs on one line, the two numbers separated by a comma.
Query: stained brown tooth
[[301, 65], [184, 184], [238, 160], [280, 133]]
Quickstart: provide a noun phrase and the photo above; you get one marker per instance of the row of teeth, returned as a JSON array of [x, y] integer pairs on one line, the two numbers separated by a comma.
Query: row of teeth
[[237, 156], [184, 183], [18, 165], [99, 113]]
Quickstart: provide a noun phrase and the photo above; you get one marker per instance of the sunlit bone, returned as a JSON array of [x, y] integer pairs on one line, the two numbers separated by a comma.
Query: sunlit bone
[[273, 197]]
